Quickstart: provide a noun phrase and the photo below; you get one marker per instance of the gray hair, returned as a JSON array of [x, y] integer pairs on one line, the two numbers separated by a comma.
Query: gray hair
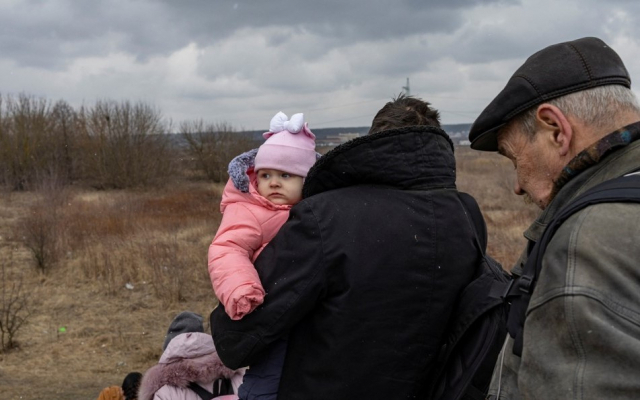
[[598, 107]]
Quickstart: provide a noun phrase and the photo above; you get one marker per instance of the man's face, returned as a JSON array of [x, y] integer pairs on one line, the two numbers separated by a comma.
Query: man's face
[[280, 187], [536, 166]]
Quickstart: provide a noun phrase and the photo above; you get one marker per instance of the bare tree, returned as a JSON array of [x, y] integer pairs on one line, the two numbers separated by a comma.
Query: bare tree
[[24, 126], [6, 146], [212, 146], [36, 141], [14, 309], [124, 145], [64, 142]]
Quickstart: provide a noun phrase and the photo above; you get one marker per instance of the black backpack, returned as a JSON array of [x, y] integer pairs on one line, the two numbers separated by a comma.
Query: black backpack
[[625, 189], [479, 326]]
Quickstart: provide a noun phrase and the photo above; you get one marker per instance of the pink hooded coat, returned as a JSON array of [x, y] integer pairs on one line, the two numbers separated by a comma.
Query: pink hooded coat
[[249, 222], [189, 357]]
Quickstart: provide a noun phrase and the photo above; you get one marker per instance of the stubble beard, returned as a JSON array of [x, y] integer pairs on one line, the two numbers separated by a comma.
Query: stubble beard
[[527, 199]]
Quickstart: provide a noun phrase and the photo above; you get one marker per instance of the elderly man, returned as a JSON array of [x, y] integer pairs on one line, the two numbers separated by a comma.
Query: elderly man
[[568, 121]]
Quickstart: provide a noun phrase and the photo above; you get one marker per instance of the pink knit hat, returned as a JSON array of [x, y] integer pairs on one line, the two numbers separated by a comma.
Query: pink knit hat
[[290, 146]]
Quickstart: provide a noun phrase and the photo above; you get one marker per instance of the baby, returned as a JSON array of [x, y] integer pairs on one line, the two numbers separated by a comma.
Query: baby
[[263, 186]]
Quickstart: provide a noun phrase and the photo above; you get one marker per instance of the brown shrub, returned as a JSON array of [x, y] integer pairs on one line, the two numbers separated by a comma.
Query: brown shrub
[[15, 307], [43, 226]]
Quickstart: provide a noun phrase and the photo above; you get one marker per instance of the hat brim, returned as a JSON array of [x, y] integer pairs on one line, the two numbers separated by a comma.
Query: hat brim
[[487, 141]]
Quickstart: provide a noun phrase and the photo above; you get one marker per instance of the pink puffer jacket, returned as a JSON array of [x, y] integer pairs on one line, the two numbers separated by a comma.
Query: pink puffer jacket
[[249, 222]]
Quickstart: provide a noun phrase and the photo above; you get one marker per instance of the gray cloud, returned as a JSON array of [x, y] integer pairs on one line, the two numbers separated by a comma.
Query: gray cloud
[[242, 61], [54, 32]]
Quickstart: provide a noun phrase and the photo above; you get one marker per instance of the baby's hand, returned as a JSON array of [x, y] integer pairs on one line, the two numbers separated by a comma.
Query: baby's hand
[[246, 304], [243, 307]]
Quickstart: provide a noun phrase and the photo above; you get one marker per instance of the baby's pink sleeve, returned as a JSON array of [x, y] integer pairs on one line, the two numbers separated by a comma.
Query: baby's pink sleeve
[[235, 280]]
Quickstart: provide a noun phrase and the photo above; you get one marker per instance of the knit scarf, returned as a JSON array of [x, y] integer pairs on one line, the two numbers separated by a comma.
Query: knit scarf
[[598, 151]]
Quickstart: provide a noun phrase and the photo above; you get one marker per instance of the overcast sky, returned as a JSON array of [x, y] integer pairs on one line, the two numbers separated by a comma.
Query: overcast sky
[[338, 61]]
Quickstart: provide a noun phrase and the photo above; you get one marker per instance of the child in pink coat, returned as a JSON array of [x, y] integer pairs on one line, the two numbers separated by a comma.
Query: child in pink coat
[[262, 187]]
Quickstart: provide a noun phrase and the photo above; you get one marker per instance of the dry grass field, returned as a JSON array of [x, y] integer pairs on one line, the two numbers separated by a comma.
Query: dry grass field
[[489, 178], [118, 265]]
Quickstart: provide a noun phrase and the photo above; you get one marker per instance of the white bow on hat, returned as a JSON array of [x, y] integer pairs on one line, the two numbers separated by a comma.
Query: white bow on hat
[[280, 122]]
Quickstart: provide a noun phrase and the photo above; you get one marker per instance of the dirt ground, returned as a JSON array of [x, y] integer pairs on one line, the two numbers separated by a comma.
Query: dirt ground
[[82, 341], [87, 329]]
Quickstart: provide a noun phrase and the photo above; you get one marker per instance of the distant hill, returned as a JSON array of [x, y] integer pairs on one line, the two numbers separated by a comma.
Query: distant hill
[[321, 133], [457, 132], [333, 136]]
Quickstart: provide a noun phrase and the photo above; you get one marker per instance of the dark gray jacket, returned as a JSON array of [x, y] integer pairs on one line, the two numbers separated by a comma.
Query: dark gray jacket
[[582, 331]]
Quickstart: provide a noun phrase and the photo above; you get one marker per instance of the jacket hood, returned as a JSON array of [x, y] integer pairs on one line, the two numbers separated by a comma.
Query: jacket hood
[[187, 345], [238, 168], [415, 157], [241, 187], [189, 357]]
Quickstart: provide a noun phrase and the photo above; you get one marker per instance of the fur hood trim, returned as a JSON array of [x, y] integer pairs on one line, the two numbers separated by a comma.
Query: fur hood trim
[[179, 372], [238, 168]]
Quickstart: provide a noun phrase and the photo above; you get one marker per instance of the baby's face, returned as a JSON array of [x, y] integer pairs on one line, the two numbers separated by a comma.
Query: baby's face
[[280, 187]]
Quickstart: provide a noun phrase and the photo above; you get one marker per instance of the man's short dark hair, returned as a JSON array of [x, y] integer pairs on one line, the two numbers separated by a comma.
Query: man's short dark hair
[[404, 111]]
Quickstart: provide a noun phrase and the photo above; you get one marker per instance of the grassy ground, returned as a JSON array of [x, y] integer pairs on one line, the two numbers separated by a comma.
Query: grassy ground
[[489, 177], [120, 265]]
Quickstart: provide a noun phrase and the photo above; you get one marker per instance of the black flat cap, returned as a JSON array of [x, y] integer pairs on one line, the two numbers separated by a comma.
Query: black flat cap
[[552, 72]]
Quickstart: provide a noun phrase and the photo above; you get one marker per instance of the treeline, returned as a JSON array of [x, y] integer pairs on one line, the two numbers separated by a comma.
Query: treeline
[[110, 145]]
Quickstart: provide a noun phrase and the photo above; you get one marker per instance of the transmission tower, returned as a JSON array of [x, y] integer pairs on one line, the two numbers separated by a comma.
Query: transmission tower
[[407, 89]]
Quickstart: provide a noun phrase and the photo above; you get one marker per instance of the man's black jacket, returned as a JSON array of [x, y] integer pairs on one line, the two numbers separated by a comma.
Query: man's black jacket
[[364, 274]]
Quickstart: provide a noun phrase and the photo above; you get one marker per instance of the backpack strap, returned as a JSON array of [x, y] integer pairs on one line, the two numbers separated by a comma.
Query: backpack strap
[[201, 392], [221, 386], [624, 189], [474, 215]]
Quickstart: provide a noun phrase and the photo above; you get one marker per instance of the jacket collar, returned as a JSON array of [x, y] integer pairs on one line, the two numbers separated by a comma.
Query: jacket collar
[[598, 151], [612, 156], [416, 157]]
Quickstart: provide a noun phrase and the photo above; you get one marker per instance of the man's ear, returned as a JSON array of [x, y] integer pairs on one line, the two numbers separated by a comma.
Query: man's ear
[[557, 127]]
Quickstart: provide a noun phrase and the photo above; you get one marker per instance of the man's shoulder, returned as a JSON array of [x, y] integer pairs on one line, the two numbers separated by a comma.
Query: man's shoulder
[[609, 206], [320, 200], [610, 222], [594, 246], [367, 198]]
